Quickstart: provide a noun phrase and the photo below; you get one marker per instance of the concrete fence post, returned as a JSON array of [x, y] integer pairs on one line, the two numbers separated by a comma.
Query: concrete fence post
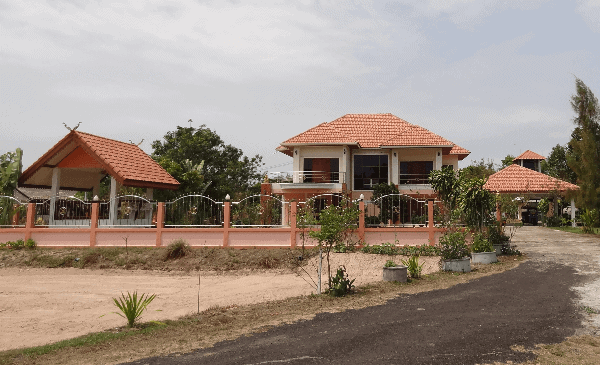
[[226, 222], [30, 222], [94, 222], [160, 222]]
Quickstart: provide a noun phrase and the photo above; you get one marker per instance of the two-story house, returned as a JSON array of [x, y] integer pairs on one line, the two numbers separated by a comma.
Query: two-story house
[[353, 153]]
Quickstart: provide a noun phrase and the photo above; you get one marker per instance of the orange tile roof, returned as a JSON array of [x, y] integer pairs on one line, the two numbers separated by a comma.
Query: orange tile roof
[[529, 155], [458, 150], [369, 131], [517, 179], [126, 162]]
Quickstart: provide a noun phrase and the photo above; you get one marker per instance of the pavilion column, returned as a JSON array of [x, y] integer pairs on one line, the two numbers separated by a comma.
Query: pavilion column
[[114, 203], [54, 193], [573, 224], [149, 193]]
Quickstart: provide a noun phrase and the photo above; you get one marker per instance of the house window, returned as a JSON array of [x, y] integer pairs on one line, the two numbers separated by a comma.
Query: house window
[[321, 170], [370, 170], [415, 172]]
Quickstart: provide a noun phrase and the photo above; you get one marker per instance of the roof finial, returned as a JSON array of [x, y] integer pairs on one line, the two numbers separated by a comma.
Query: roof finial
[[190, 121], [137, 144], [71, 129]]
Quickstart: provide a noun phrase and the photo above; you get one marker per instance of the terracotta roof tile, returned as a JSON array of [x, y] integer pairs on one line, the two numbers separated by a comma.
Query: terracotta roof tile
[[458, 150], [517, 179], [369, 131], [529, 155], [127, 160]]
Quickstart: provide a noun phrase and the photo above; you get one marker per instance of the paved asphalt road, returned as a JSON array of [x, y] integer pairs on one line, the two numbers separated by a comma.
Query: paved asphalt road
[[470, 323]]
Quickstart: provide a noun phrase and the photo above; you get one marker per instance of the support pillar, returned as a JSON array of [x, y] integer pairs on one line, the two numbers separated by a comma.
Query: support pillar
[[149, 193], [114, 202], [293, 221], [30, 222], [431, 222], [54, 193], [573, 223]]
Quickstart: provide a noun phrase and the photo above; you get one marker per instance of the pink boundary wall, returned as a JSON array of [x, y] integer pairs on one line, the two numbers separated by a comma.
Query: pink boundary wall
[[288, 237]]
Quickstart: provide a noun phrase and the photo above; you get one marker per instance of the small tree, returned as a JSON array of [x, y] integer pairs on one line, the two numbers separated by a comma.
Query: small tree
[[337, 223]]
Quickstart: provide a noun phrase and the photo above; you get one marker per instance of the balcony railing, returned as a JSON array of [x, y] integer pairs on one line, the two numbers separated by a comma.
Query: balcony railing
[[413, 179], [315, 177]]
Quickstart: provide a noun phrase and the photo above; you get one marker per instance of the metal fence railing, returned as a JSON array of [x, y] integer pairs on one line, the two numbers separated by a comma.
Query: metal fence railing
[[193, 211], [12, 212], [127, 211], [396, 210]]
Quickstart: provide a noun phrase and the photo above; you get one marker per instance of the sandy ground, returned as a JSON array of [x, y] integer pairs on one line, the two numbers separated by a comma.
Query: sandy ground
[[40, 306]]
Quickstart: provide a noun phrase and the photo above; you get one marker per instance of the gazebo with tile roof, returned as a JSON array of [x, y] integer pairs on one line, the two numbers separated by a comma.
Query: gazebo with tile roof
[[530, 160], [80, 161], [519, 181]]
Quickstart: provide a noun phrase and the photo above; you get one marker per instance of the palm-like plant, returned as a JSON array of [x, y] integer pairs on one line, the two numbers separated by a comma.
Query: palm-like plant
[[132, 307]]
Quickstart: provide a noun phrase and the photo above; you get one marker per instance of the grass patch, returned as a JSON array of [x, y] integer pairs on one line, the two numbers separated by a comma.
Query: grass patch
[[172, 258], [577, 230], [227, 323]]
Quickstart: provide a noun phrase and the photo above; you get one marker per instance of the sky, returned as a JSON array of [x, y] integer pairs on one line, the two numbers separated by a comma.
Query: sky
[[494, 77]]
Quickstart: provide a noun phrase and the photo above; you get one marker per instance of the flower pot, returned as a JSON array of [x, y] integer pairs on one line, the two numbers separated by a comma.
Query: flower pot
[[395, 273], [460, 265], [484, 257]]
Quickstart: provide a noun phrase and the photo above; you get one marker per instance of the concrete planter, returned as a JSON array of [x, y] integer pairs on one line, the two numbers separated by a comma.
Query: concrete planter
[[498, 249], [460, 265], [484, 257], [395, 273]]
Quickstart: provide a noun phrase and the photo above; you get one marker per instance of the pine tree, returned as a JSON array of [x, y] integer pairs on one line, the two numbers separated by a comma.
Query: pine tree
[[584, 148]]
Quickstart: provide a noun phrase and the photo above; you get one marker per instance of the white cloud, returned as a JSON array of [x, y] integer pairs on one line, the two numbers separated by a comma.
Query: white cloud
[[590, 12]]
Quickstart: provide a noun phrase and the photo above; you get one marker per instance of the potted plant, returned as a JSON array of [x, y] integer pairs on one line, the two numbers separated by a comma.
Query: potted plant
[[454, 252], [497, 238], [393, 272], [482, 250]]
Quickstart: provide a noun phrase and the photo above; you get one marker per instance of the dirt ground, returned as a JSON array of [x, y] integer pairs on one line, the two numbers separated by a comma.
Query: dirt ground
[[40, 306]]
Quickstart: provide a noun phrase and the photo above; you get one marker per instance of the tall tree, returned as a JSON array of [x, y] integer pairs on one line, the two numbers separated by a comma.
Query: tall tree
[[556, 165], [200, 160], [507, 161], [584, 153], [10, 169], [479, 169]]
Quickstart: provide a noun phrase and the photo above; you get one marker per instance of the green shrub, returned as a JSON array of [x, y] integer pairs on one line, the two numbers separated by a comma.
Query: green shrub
[[590, 219], [341, 284], [2, 245], [30, 244], [423, 250], [496, 235], [16, 245], [177, 249], [481, 244], [453, 246], [132, 307], [383, 249], [390, 263], [413, 267]]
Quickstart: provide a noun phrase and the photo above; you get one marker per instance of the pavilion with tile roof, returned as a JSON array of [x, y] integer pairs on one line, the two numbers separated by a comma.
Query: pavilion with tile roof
[[521, 181], [80, 161], [530, 160]]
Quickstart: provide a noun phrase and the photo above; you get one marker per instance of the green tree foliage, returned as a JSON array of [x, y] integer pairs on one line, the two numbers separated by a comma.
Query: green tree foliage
[[507, 161], [556, 165], [200, 160], [337, 222], [463, 196], [479, 169], [10, 169], [584, 148]]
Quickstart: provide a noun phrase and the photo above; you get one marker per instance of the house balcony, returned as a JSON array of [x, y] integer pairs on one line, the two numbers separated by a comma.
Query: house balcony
[[414, 182], [322, 180]]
